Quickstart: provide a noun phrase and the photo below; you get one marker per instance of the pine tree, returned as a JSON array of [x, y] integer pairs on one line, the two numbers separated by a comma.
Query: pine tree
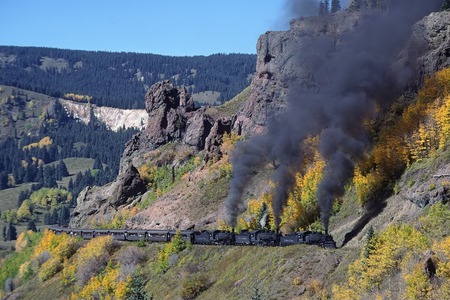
[[355, 5], [136, 289], [11, 232], [98, 164], [327, 6], [32, 226], [256, 294], [335, 6], [369, 241], [47, 218], [64, 216], [321, 8], [22, 196], [70, 185], [62, 168], [446, 5]]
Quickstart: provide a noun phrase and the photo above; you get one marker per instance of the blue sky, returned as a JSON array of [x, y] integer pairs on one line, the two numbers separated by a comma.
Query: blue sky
[[168, 27]]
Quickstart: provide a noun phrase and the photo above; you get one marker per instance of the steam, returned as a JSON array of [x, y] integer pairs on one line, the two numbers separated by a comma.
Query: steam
[[362, 72]]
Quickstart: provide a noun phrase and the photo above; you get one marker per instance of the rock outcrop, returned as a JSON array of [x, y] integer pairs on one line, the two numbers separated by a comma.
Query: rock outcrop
[[172, 117], [434, 29]]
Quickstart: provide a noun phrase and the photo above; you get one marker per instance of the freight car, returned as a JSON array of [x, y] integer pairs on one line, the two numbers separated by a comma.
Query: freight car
[[207, 237]]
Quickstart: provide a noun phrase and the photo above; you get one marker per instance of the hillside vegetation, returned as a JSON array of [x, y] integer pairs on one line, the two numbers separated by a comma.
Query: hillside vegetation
[[405, 254], [120, 79]]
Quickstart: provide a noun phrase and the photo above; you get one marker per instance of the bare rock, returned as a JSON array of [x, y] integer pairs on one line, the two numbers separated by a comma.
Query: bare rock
[[214, 139], [166, 106], [434, 33], [198, 128]]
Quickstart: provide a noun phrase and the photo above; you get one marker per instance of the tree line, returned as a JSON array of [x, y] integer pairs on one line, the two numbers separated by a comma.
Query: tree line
[[120, 79]]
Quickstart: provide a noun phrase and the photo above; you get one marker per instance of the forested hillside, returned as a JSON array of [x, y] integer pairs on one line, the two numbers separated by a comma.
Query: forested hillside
[[120, 79]]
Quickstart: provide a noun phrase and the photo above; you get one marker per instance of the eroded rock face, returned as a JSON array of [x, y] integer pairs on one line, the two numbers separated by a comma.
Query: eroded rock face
[[166, 106], [171, 118], [434, 30]]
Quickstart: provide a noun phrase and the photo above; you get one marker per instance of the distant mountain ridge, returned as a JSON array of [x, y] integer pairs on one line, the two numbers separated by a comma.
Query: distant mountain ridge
[[121, 79]]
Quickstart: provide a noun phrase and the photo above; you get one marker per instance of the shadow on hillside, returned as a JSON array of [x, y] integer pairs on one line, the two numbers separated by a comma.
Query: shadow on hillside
[[373, 210]]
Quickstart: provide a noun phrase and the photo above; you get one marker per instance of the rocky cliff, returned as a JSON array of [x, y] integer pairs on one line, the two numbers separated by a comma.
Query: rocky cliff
[[173, 120]]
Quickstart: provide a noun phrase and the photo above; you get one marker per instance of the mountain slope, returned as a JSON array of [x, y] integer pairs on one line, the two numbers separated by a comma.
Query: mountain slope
[[177, 175]]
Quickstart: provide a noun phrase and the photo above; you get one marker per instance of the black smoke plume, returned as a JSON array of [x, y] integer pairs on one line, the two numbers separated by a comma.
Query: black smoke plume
[[365, 70]]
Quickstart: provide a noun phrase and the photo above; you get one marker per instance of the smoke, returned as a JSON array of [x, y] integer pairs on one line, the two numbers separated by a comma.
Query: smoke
[[362, 72], [303, 8]]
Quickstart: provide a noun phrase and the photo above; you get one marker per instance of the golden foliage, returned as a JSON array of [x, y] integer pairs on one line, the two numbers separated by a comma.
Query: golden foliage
[[255, 210], [49, 268], [23, 240], [301, 209], [422, 128], [94, 248], [368, 185], [45, 141], [418, 286], [388, 251], [78, 98], [106, 285], [119, 218], [60, 247]]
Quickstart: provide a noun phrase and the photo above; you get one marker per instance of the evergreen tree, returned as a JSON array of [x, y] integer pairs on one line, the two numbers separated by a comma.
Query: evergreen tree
[[64, 216], [54, 216], [70, 185], [62, 169], [3, 181], [97, 164], [11, 232], [327, 6], [321, 8], [136, 290], [335, 6], [4, 233], [446, 5], [22, 196], [256, 294], [370, 235], [32, 226], [48, 218], [355, 5]]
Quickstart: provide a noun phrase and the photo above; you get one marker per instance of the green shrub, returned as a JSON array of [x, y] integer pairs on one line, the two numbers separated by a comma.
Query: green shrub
[[436, 222], [49, 268], [193, 286]]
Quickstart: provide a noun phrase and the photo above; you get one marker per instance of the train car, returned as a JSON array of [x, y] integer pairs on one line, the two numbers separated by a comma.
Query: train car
[[243, 238], [75, 232], [101, 232], [158, 235], [117, 234], [222, 237], [203, 237], [290, 239], [88, 234], [265, 238], [328, 242], [186, 235], [56, 230], [313, 238], [135, 234]]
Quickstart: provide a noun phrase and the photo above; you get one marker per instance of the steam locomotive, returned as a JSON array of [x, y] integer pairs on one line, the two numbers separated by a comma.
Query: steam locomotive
[[206, 237]]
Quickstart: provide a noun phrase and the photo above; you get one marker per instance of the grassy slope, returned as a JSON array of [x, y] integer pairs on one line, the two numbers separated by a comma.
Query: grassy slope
[[279, 273]]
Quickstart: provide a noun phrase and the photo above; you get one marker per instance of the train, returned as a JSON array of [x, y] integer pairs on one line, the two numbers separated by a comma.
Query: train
[[206, 237]]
